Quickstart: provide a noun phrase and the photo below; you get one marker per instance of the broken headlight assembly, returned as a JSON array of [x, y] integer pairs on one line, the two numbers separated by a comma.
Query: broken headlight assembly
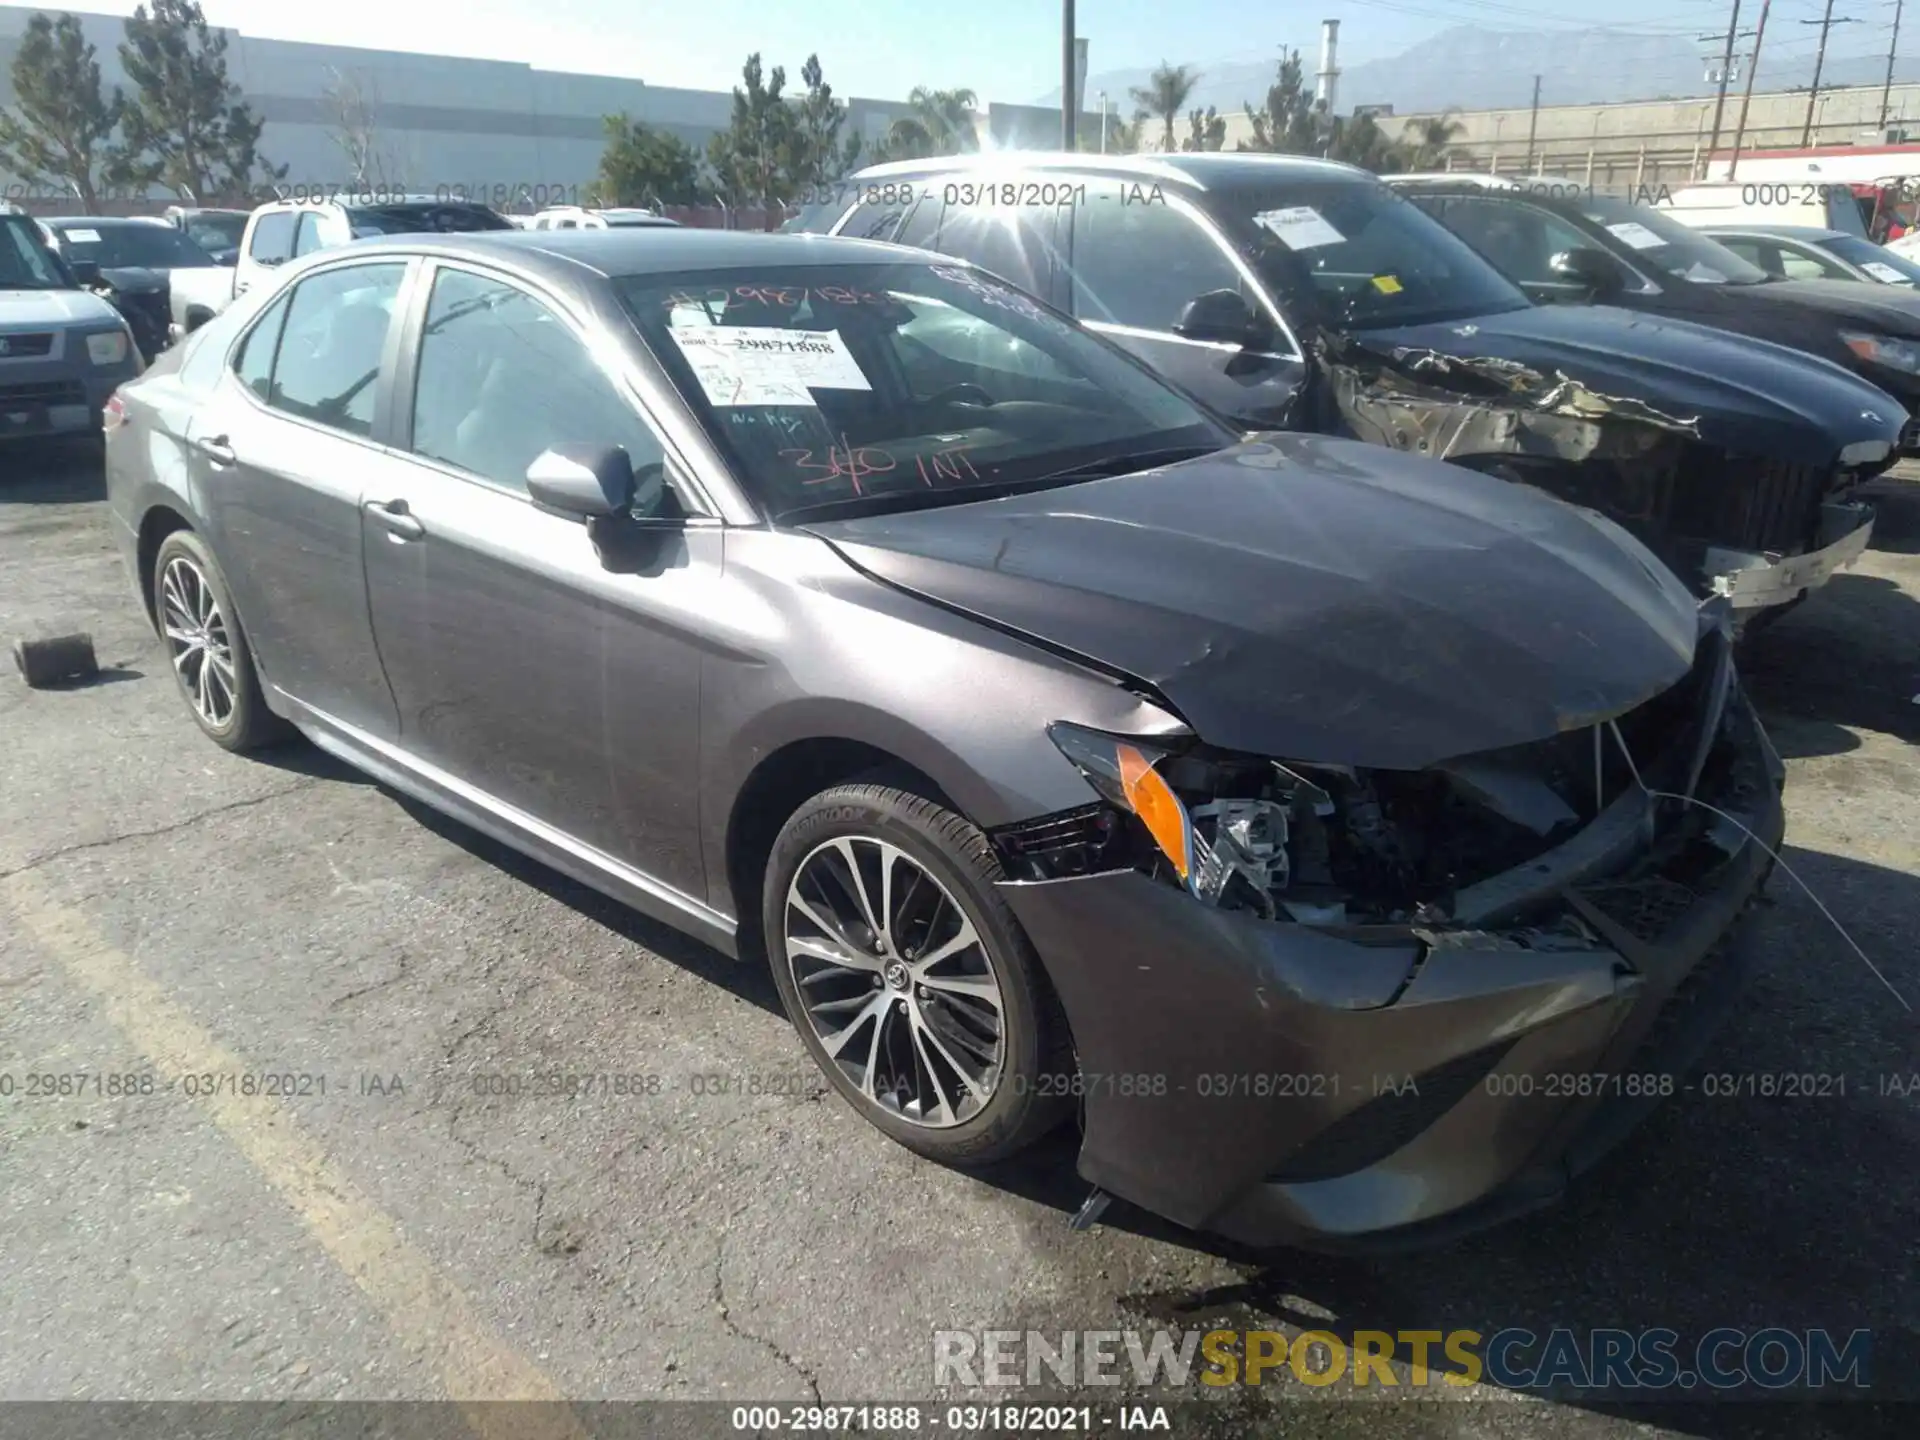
[[1234, 831]]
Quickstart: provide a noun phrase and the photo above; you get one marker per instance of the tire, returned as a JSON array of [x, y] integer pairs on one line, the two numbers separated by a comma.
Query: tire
[[181, 565], [906, 1021]]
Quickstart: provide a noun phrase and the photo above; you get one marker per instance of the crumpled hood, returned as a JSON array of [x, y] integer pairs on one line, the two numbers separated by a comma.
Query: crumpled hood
[[1747, 396], [41, 309], [1314, 599]]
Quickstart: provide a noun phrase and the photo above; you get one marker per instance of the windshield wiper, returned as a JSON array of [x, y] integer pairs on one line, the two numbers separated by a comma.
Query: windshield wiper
[[1127, 464]]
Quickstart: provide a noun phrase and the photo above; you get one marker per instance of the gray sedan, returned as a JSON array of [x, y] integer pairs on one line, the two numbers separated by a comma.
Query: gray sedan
[[1295, 814], [1803, 252]]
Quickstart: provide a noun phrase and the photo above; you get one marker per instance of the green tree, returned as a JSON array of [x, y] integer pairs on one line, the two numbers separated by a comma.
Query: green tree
[[1359, 140], [753, 159], [1427, 140], [1289, 123], [820, 155], [1164, 96], [940, 122], [645, 166], [1122, 138], [61, 126], [186, 126], [1206, 130]]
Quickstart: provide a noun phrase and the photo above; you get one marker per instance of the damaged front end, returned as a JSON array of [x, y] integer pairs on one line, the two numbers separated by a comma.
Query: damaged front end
[[1733, 503], [1359, 986]]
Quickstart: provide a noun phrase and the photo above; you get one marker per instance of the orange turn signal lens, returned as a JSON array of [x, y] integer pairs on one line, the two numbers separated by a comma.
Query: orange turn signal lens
[[1158, 807]]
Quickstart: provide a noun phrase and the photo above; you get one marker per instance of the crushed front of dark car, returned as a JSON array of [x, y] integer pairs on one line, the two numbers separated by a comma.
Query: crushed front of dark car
[[1441, 888]]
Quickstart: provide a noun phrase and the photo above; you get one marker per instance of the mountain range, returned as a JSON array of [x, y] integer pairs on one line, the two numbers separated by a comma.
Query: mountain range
[[1477, 69]]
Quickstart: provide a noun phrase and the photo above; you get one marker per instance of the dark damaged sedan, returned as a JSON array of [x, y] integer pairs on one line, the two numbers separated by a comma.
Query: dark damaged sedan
[[1291, 814], [1305, 295]]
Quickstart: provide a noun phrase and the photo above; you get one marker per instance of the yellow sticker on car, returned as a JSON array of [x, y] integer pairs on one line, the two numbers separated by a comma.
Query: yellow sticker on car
[[1386, 284]]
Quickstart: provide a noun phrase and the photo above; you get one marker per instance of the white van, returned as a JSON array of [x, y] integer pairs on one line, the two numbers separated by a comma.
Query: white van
[[1808, 201]]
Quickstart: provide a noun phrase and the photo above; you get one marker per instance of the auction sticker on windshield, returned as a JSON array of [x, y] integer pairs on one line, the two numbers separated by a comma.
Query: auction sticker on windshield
[[1636, 235], [1881, 271], [766, 365], [83, 237], [1299, 227]]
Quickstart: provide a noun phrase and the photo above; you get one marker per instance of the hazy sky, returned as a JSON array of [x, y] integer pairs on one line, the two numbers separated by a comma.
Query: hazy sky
[[1007, 50]]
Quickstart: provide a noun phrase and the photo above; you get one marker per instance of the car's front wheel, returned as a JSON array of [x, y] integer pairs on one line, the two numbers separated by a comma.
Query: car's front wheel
[[212, 663], [908, 977]]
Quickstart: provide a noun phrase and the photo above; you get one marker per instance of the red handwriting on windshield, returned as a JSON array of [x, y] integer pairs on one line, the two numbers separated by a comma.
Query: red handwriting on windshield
[[949, 465], [843, 462]]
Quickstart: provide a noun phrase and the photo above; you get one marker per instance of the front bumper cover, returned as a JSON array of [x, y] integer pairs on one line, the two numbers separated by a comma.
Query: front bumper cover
[[1753, 581], [1369, 1089]]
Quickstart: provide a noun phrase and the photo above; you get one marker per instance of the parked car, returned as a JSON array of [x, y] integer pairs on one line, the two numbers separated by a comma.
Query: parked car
[[218, 232], [63, 349], [135, 261], [870, 617], [1809, 200], [1303, 294], [1793, 252], [1603, 248], [579, 217], [284, 230]]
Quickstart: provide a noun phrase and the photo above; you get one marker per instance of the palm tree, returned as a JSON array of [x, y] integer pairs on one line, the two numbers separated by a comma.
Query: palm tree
[[1427, 139], [1164, 96], [941, 123]]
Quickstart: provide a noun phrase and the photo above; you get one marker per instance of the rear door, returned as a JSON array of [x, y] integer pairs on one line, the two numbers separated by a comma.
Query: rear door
[[269, 245], [1133, 265], [522, 666], [285, 450]]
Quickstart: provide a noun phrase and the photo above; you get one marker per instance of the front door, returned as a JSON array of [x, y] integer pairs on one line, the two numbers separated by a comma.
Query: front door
[[1139, 255], [522, 667]]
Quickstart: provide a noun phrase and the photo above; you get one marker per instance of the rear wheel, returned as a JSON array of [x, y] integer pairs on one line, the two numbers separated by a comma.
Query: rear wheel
[[908, 978], [211, 661]]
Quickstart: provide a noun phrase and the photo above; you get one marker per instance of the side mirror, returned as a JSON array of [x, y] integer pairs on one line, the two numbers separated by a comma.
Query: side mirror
[[1220, 315], [1593, 270], [85, 272], [582, 482]]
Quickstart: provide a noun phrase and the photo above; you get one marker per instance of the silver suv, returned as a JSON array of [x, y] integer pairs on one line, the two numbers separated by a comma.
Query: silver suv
[[63, 350]]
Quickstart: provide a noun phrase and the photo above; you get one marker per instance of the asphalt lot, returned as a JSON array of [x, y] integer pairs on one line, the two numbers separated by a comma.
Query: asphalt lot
[[166, 907]]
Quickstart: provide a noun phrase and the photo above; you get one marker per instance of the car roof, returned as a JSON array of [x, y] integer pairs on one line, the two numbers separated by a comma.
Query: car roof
[[97, 222], [645, 251], [1788, 232], [1199, 170]]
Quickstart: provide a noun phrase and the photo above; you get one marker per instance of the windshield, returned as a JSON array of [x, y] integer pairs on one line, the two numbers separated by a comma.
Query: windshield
[[1660, 240], [858, 388], [216, 232], [26, 263], [420, 219], [1878, 261], [1360, 257], [130, 247]]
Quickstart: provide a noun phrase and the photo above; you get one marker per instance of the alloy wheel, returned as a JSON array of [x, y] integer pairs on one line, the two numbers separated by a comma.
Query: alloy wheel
[[197, 638], [896, 982]]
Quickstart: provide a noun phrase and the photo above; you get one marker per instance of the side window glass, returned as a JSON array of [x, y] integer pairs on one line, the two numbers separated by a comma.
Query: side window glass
[[1012, 243], [501, 377], [1798, 265], [881, 209], [924, 223], [306, 235], [272, 239], [328, 369], [1752, 252], [1139, 263], [253, 362]]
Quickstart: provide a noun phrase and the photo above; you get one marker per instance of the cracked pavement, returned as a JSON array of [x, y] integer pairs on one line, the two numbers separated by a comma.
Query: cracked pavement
[[723, 1227]]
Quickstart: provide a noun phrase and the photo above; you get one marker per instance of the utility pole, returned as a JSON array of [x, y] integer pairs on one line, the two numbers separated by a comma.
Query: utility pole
[[1067, 77], [1746, 99], [1886, 91], [1826, 22], [1726, 73], [1533, 124]]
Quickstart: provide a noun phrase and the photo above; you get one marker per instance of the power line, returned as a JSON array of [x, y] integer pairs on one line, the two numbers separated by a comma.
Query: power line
[[1826, 23]]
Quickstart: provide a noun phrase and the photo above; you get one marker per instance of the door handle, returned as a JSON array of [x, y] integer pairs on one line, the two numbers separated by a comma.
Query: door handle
[[216, 449], [398, 519]]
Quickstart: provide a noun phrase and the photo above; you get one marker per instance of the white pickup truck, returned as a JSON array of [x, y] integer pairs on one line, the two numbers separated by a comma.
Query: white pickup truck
[[283, 230]]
